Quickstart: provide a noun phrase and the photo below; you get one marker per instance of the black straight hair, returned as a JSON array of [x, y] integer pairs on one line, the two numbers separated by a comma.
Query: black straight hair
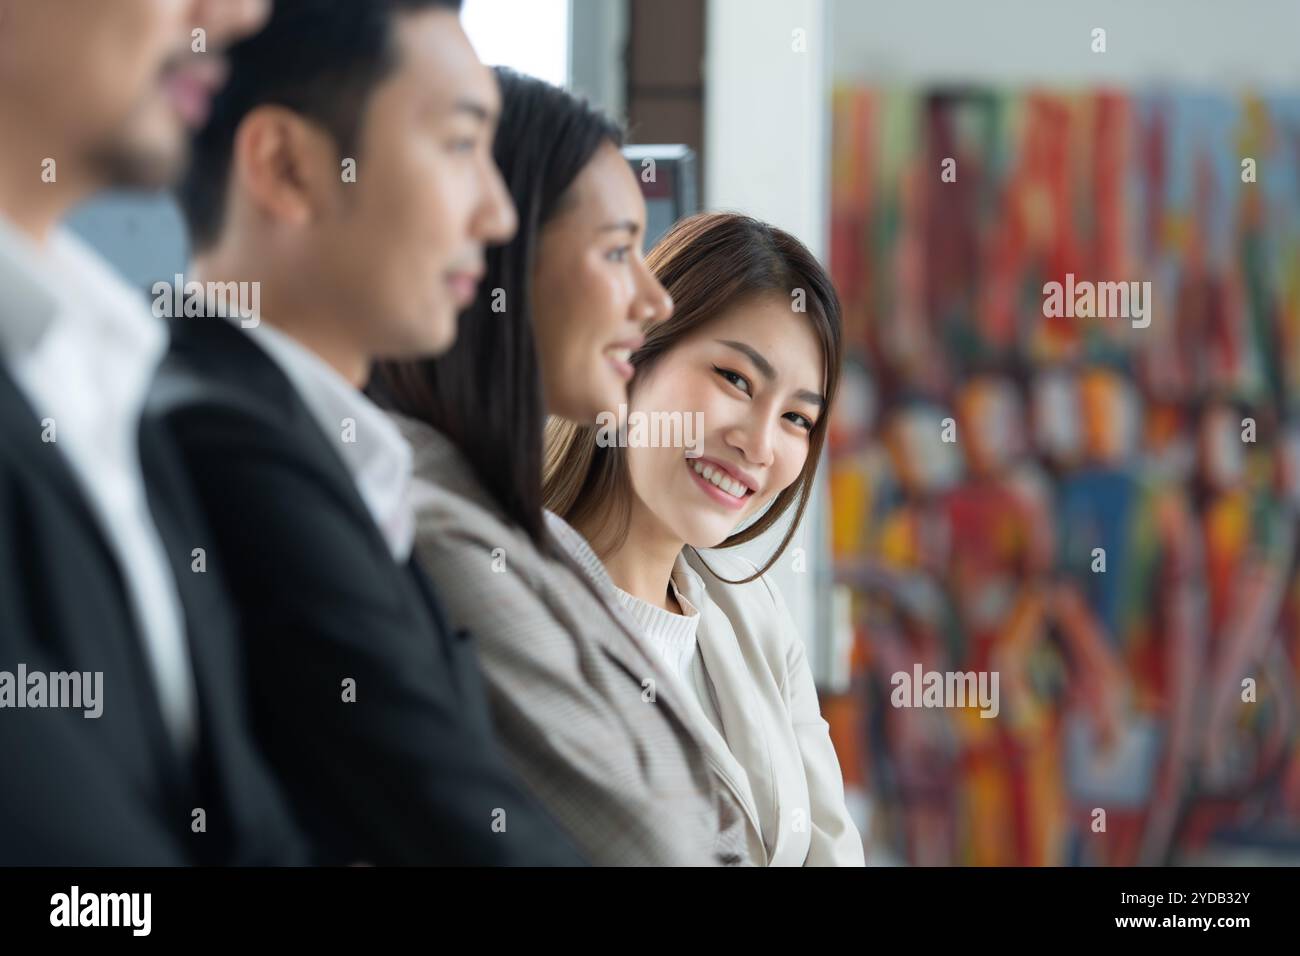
[[485, 393], [321, 59]]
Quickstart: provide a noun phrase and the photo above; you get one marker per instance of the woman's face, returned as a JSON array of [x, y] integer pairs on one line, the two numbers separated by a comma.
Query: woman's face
[[592, 292], [755, 374]]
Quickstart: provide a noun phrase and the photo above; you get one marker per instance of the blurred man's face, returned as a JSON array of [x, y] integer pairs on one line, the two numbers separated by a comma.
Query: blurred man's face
[[110, 88]]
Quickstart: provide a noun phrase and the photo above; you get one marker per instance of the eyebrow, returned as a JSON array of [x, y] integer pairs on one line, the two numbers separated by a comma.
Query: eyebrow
[[768, 372], [628, 224], [474, 108]]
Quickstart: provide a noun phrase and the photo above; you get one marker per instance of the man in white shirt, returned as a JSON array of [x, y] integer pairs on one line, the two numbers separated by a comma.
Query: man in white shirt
[[100, 538], [355, 183]]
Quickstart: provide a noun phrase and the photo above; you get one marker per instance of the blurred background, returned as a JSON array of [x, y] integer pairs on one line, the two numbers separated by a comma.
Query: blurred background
[[982, 455]]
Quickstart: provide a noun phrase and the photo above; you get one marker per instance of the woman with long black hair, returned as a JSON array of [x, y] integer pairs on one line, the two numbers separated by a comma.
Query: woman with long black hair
[[593, 722]]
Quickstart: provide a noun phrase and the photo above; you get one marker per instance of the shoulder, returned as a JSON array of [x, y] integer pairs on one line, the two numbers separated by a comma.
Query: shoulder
[[755, 609], [456, 520], [211, 367]]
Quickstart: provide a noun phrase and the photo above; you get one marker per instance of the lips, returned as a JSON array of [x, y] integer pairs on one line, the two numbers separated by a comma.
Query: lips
[[464, 286], [191, 85], [726, 486], [619, 356]]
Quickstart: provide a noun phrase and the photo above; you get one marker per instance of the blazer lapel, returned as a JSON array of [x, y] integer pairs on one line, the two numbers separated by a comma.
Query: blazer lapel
[[18, 422], [742, 713], [209, 627], [439, 459], [627, 649], [222, 352], [632, 654], [20, 425]]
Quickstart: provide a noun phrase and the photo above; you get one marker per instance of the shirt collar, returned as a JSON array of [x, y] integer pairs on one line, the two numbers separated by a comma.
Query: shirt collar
[[65, 281], [371, 446]]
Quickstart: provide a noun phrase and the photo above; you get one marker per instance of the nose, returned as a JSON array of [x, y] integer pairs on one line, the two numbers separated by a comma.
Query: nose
[[495, 220], [229, 21], [752, 437], [652, 304]]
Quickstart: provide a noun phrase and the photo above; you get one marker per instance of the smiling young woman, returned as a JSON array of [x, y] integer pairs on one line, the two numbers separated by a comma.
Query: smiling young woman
[[754, 347]]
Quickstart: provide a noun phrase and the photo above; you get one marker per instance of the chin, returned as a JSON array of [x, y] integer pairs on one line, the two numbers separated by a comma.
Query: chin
[[144, 163], [701, 535], [441, 334]]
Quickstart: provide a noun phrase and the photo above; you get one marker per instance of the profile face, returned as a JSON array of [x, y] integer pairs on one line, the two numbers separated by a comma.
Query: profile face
[[593, 294], [756, 374], [120, 83], [405, 242]]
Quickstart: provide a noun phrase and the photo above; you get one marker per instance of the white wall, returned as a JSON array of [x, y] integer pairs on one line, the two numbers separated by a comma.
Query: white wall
[[596, 54], [766, 133], [1189, 43], [766, 121]]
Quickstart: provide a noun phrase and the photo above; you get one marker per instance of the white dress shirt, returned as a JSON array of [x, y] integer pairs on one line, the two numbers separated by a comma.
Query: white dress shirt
[[373, 450], [83, 347]]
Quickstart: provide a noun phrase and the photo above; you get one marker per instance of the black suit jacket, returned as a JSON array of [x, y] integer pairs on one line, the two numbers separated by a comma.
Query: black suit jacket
[[408, 772], [116, 790]]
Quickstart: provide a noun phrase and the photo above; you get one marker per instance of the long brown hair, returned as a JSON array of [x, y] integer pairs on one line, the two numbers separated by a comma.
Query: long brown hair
[[709, 264]]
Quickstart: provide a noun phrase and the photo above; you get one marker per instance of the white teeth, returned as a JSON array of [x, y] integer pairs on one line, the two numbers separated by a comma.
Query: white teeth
[[715, 475], [621, 355]]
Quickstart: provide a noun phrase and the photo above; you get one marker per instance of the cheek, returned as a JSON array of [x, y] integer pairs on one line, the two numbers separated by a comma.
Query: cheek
[[792, 454], [675, 388], [141, 45], [410, 195], [582, 312], [655, 478], [554, 316], [605, 294], [646, 475]]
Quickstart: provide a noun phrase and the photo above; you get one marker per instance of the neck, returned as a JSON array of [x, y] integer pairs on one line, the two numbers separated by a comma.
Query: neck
[[27, 200], [292, 308], [642, 562]]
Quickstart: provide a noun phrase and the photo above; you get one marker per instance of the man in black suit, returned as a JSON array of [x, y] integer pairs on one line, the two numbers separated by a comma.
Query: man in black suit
[[124, 731], [347, 171]]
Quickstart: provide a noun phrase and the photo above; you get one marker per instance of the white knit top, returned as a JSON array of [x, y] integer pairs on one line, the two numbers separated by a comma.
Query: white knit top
[[673, 636]]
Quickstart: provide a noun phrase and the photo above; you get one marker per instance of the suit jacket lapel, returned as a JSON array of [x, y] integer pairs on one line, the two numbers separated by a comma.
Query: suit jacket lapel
[[20, 425], [22, 430], [209, 626], [222, 352], [741, 711]]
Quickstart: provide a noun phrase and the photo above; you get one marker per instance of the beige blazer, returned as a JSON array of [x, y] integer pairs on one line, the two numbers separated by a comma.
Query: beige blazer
[[776, 755], [762, 686], [588, 718]]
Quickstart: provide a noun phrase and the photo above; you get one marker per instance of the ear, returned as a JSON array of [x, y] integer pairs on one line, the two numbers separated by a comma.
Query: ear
[[284, 166]]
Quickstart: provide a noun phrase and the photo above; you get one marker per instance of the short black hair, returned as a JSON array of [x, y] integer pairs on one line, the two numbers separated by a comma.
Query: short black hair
[[319, 58]]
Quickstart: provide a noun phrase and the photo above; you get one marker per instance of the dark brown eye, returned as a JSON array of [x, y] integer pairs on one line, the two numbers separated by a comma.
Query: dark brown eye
[[735, 378]]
